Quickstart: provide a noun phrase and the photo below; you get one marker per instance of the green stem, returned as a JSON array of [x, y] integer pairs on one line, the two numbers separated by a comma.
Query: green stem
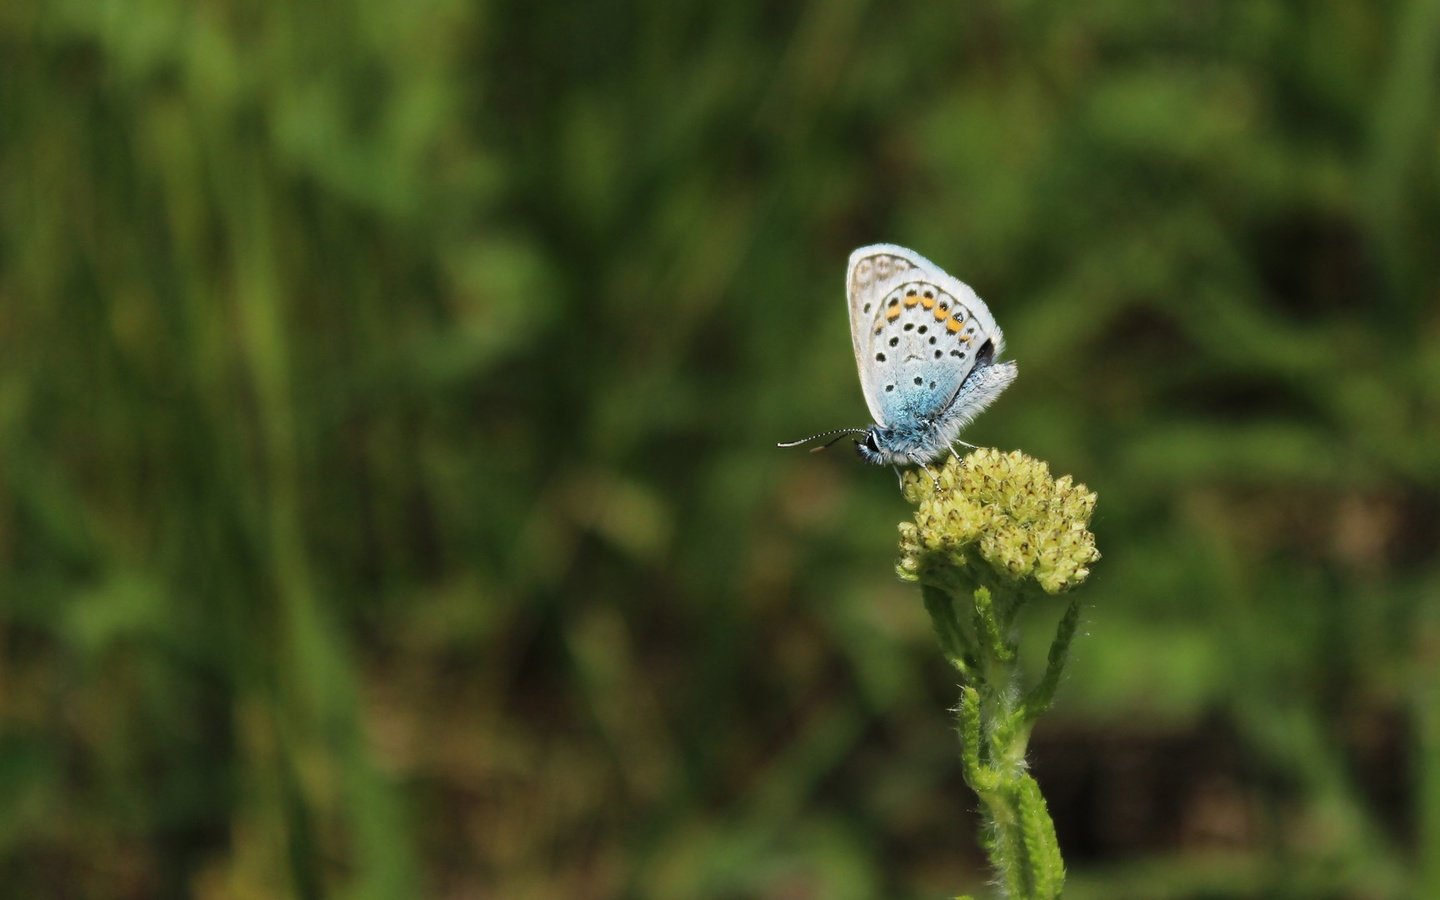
[[994, 720], [952, 638], [1038, 700]]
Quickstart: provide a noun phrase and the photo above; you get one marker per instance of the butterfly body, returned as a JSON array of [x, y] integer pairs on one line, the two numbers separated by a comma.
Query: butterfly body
[[926, 348]]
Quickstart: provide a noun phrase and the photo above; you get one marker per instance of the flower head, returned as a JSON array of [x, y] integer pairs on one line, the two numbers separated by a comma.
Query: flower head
[[1002, 512]]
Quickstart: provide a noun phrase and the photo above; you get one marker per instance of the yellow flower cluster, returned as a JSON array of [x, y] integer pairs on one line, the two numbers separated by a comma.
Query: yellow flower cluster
[[1007, 510]]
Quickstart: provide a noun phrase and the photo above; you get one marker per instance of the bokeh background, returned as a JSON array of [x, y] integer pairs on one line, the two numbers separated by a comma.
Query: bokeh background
[[389, 504]]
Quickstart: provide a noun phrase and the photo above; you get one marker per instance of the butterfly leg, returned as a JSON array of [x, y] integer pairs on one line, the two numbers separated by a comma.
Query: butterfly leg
[[956, 453], [926, 469], [899, 477]]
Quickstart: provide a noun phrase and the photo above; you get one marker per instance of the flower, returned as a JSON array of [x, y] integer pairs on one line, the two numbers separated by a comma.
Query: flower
[[1001, 511]]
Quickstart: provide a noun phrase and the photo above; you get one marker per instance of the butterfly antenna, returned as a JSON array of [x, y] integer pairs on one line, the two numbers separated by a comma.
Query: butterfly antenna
[[841, 432]]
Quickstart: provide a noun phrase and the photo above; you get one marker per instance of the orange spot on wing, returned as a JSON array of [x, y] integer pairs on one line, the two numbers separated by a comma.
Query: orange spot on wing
[[892, 313], [953, 326], [928, 303], [940, 315], [912, 299]]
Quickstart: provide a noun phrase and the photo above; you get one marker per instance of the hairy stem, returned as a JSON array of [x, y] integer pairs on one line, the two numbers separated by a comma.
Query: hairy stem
[[993, 719]]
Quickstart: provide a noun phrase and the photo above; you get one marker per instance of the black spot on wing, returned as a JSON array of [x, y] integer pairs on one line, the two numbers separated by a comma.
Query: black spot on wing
[[986, 355]]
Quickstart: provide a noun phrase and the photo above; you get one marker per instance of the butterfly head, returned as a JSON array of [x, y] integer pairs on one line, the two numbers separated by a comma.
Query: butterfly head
[[870, 447]]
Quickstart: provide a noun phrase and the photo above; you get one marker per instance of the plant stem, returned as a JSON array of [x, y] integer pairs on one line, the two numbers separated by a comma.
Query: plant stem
[[994, 720]]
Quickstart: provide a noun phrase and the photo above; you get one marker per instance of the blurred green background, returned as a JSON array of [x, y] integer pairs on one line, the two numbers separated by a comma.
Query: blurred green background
[[389, 504]]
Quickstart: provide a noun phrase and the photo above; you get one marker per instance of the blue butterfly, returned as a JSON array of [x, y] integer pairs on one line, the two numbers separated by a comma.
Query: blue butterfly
[[927, 349]]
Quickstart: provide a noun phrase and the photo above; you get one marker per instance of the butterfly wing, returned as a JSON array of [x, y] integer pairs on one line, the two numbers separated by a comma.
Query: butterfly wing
[[917, 333]]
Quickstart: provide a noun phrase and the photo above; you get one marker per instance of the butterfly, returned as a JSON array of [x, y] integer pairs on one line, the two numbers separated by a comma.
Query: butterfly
[[928, 353]]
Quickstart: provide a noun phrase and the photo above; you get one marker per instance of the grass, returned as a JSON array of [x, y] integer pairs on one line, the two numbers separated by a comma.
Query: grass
[[388, 502]]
